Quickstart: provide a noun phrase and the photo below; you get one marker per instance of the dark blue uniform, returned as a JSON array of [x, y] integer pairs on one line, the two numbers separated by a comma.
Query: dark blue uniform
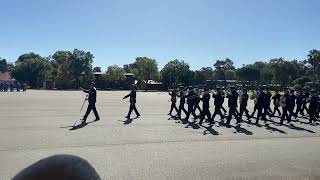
[[181, 105], [205, 107], [299, 104], [285, 109], [133, 96], [243, 106], [276, 101], [218, 102], [173, 95], [313, 107], [232, 104], [92, 103], [191, 98]]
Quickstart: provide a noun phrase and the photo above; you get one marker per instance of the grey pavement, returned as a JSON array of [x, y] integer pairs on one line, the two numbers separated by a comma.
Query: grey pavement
[[37, 124]]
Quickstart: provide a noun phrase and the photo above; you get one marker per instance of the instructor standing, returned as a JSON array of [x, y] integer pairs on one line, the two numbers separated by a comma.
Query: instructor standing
[[92, 102]]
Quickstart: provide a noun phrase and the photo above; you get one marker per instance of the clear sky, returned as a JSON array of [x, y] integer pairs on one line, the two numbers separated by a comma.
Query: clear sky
[[197, 31]]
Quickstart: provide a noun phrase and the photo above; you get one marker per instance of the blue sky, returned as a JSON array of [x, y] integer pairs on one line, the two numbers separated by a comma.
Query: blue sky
[[197, 31]]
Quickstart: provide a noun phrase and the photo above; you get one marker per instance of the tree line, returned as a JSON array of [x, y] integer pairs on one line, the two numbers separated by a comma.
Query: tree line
[[71, 69]]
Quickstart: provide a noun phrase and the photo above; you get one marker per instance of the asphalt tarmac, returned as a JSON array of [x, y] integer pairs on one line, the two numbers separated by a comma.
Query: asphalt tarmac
[[37, 124]]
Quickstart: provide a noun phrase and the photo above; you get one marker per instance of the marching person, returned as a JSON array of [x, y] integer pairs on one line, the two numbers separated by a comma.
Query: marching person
[[173, 95], [292, 103], [191, 101], [92, 102], [306, 96], [243, 104], [133, 97], [276, 103], [313, 106], [299, 104], [197, 100], [260, 105], [268, 97], [182, 102], [232, 104], [285, 99], [205, 106], [255, 97], [218, 103]]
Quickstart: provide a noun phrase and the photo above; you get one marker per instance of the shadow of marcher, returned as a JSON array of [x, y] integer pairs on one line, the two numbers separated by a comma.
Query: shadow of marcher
[[242, 130], [210, 130], [274, 129], [291, 126], [128, 121], [193, 125], [79, 126]]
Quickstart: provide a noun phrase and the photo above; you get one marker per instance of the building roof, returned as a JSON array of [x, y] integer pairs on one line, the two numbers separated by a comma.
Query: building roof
[[5, 76]]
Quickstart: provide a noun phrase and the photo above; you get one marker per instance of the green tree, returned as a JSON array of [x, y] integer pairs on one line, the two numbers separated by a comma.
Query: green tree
[[115, 73], [221, 66], [176, 72], [248, 73], [3, 65], [97, 69], [145, 69], [35, 71], [30, 55], [314, 61]]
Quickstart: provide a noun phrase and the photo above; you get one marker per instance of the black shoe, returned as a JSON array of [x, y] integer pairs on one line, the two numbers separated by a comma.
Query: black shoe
[[97, 119], [138, 115]]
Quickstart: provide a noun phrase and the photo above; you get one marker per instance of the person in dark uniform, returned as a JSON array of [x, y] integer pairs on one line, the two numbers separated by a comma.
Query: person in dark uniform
[[260, 105], [232, 104], [191, 101], [244, 103], [197, 100], [1, 86], [306, 96], [92, 102], [276, 103], [318, 112], [182, 102], [313, 106], [292, 103], [299, 104], [268, 97], [133, 98], [205, 106], [285, 108], [218, 103], [173, 99], [223, 95], [255, 97]]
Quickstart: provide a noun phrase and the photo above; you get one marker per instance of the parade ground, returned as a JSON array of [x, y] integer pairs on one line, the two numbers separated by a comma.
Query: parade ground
[[37, 124]]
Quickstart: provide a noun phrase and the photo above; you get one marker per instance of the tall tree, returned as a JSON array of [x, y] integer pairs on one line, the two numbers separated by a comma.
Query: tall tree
[[176, 72], [34, 71], [248, 73], [145, 69], [314, 60], [3, 65], [221, 66]]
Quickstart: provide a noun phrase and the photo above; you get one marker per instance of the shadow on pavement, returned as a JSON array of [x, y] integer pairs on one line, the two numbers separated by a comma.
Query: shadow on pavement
[[210, 130]]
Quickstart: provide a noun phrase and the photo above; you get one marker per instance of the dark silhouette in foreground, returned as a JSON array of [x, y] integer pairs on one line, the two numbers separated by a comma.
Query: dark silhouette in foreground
[[59, 167]]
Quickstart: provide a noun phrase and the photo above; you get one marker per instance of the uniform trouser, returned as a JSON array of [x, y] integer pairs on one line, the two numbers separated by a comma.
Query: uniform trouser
[[232, 112], [255, 108], [191, 111], [181, 108], [299, 110], [93, 108], [285, 115], [266, 112], [196, 106], [217, 110], [133, 107], [205, 112], [173, 106], [260, 114], [243, 109], [276, 109], [304, 107], [312, 114]]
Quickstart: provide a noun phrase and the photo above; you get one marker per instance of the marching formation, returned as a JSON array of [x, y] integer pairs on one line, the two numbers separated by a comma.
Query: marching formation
[[5, 87], [291, 104]]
